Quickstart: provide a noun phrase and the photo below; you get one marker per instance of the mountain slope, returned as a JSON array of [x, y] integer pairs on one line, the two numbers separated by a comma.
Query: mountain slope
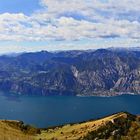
[[15, 130], [103, 72], [122, 126]]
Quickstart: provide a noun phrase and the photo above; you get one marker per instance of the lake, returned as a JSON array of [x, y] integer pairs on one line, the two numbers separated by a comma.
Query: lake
[[56, 110]]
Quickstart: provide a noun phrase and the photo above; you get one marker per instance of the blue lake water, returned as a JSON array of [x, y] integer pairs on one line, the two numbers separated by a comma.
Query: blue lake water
[[57, 110]]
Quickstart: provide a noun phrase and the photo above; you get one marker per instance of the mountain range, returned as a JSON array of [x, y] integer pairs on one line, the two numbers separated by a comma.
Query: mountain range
[[102, 72]]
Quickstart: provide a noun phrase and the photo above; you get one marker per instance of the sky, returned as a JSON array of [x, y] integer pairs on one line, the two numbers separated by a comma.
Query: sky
[[34, 25]]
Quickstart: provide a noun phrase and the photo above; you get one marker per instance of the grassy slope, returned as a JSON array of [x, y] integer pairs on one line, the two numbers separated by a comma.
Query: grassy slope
[[76, 131], [8, 132], [13, 130]]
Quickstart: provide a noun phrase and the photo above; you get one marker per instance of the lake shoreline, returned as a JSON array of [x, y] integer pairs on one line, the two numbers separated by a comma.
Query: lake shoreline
[[96, 94]]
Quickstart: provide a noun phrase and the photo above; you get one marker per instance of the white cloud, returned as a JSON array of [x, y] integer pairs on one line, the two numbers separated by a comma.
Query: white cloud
[[74, 20]]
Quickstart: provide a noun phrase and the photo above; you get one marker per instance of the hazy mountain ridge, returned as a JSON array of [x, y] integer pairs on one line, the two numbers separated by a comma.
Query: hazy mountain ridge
[[94, 72]]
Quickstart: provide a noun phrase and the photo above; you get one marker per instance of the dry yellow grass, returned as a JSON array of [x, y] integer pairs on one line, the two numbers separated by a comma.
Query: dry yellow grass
[[9, 130], [10, 133], [76, 131]]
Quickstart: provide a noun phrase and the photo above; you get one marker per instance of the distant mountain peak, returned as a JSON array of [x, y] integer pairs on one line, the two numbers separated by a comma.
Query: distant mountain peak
[[102, 51]]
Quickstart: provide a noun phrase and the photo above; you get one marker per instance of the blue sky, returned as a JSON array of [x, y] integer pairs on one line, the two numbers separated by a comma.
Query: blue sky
[[19, 6], [34, 25]]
